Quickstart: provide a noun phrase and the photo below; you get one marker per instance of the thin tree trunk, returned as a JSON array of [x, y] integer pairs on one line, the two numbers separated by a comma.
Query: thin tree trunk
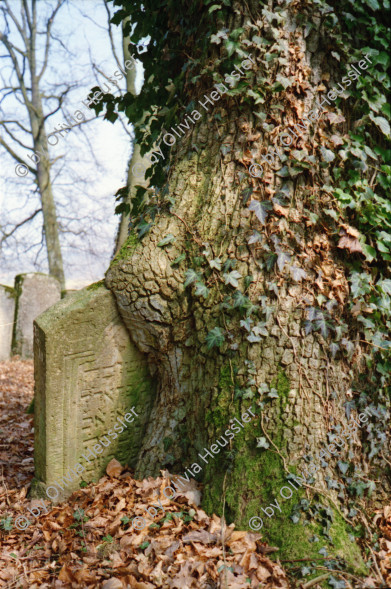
[[40, 142], [133, 180]]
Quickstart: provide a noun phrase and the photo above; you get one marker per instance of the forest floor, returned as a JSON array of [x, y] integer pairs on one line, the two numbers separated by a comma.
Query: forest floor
[[88, 541]]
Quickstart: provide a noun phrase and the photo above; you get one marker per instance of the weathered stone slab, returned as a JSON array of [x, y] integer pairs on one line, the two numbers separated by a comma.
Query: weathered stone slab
[[34, 294], [7, 311], [88, 373]]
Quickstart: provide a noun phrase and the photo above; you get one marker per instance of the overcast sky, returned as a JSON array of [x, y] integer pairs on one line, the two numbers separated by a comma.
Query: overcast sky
[[85, 181]]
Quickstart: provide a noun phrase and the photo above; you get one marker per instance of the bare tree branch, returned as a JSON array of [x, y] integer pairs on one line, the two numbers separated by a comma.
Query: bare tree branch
[[6, 235], [49, 25], [16, 157]]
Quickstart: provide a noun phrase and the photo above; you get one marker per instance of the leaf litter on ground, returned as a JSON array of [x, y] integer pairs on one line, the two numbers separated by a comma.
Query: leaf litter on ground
[[89, 541]]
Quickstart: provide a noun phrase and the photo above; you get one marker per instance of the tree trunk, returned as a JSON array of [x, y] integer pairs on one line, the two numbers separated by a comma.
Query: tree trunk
[[136, 159], [40, 142], [201, 389]]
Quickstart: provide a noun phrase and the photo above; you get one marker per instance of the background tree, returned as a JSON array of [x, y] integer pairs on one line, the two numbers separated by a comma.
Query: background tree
[[32, 99], [270, 292], [33, 96]]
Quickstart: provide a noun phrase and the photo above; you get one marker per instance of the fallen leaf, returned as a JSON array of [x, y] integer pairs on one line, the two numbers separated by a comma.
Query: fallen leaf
[[114, 468]]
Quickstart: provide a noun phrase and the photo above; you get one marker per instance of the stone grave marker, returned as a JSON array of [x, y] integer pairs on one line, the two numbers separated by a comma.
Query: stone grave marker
[[34, 294], [88, 375], [7, 311]]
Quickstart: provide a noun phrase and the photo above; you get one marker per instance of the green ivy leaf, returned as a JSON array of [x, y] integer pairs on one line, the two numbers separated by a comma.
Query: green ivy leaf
[[215, 338], [374, 4], [216, 263], [232, 278], [382, 123], [191, 276], [201, 290], [178, 260], [261, 209], [166, 240]]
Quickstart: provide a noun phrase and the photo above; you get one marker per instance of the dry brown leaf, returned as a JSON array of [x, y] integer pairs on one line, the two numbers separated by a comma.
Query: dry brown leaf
[[350, 243], [200, 536], [112, 583], [280, 210], [336, 140], [351, 230], [335, 119], [114, 468]]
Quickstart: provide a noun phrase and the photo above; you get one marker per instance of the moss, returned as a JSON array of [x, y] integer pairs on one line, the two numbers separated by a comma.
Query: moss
[[95, 285], [127, 249], [30, 408], [345, 547], [262, 473], [9, 290]]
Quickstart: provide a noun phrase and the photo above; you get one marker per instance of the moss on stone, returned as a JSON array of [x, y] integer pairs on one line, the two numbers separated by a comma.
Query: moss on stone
[[95, 285], [9, 290]]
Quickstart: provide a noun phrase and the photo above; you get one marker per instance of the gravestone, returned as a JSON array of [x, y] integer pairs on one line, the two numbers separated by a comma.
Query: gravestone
[[7, 311], [88, 375], [34, 294]]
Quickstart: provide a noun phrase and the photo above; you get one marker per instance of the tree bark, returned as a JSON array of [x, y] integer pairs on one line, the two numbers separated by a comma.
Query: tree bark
[[132, 180], [201, 390]]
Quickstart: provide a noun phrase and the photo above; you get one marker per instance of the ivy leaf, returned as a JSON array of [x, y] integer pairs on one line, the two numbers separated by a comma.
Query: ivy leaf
[[337, 584], [143, 228], [253, 338], [220, 35], [246, 323], [225, 149], [327, 154], [261, 209], [246, 193], [282, 259], [374, 4], [297, 273], [214, 7], [385, 285], [270, 260], [240, 300], [191, 276], [382, 123], [256, 236], [178, 260], [230, 46], [263, 443], [216, 263], [368, 251], [343, 466], [201, 290], [215, 338], [273, 394], [260, 329], [334, 349], [232, 278], [166, 240]]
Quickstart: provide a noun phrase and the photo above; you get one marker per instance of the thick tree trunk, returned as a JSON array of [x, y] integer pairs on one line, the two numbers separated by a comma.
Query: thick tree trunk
[[201, 390]]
